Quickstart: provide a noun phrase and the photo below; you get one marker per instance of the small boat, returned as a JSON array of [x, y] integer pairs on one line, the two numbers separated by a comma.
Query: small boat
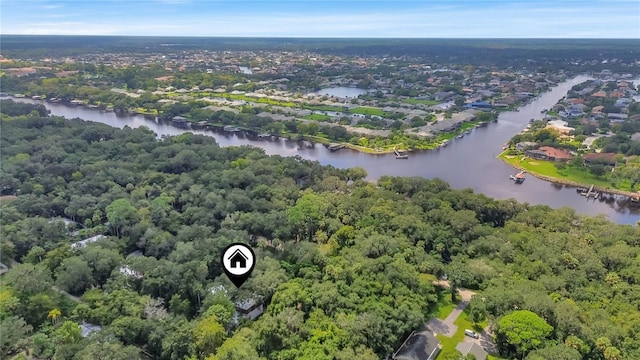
[[460, 136], [468, 132], [445, 143], [519, 177]]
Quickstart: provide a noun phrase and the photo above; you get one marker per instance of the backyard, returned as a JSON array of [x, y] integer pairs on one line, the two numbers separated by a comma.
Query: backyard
[[579, 176]]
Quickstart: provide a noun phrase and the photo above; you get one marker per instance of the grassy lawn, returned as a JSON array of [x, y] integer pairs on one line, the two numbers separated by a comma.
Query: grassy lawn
[[322, 108], [449, 343], [144, 111], [444, 307], [367, 111], [318, 117], [264, 100], [548, 168], [418, 101]]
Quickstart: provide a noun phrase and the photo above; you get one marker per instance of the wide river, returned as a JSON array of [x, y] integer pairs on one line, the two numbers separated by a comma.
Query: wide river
[[469, 162]]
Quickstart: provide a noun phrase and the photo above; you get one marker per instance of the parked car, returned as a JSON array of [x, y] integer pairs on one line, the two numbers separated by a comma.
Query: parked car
[[471, 333]]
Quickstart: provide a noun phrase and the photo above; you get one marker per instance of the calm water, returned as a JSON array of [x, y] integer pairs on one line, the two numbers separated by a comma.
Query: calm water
[[342, 92], [469, 162]]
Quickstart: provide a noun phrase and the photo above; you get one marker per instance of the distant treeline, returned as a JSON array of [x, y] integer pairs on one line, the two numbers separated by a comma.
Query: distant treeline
[[477, 51]]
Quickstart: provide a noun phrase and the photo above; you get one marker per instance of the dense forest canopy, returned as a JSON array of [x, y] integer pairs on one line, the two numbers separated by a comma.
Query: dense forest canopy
[[559, 52], [345, 269]]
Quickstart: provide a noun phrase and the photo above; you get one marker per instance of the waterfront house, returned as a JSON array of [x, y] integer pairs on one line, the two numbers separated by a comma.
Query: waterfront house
[[559, 126], [603, 158], [549, 153], [525, 145]]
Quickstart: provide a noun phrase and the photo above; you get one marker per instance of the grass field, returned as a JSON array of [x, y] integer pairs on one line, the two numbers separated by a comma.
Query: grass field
[[144, 111], [367, 111], [547, 168], [444, 306], [322, 108], [418, 101]]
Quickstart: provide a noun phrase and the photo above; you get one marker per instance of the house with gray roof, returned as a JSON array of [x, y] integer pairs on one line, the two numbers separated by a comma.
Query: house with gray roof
[[472, 348], [419, 346]]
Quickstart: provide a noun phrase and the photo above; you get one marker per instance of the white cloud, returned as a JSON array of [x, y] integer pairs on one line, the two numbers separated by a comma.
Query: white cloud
[[409, 19]]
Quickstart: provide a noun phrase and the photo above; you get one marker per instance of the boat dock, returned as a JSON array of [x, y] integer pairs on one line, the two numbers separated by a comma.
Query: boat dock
[[400, 154], [335, 147], [519, 177], [589, 192]]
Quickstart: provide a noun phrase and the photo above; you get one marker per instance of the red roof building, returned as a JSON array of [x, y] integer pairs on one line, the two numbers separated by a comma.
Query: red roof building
[[549, 153], [607, 158]]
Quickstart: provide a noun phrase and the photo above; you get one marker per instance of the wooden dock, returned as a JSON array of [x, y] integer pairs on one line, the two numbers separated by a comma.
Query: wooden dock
[[588, 192], [335, 147], [400, 154]]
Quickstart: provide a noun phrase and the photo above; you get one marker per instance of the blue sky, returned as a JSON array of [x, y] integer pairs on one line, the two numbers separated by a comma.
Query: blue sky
[[320, 18]]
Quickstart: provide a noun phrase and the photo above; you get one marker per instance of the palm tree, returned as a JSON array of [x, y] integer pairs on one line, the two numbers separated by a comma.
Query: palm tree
[[54, 315]]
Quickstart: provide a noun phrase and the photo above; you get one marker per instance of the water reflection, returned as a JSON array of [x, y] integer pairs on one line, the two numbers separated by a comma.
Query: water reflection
[[469, 162]]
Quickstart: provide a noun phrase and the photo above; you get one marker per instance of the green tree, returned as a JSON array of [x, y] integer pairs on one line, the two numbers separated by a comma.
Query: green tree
[[29, 279], [556, 352], [101, 348], [42, 346], [521, 332], [307, 214], [208, 335], [69, 332], [121, 213], [74, 275], [14, 332], [238, 347]]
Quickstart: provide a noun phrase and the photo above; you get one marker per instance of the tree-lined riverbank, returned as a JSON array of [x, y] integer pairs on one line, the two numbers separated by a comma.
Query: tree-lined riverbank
[[547, 171], [469, 162]]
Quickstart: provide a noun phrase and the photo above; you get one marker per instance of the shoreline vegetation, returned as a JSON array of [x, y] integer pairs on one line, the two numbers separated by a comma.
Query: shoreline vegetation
[[516, 160], [401, 139]]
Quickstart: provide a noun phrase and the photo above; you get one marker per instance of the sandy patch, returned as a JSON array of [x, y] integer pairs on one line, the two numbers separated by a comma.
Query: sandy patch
[[533, 163]]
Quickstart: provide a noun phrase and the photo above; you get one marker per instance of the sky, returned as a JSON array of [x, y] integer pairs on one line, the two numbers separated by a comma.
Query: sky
[[320, 18]]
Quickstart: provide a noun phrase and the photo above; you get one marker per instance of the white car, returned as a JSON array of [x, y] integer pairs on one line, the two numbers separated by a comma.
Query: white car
[[472, 333]]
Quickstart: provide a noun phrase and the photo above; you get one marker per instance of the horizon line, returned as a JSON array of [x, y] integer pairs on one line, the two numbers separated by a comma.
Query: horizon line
[[330, 37]]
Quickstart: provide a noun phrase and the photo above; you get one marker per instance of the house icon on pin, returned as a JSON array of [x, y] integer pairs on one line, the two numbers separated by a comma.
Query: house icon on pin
[[238, 259]]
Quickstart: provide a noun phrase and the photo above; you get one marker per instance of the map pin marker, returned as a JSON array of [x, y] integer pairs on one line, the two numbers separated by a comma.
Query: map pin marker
[[238, 261]]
